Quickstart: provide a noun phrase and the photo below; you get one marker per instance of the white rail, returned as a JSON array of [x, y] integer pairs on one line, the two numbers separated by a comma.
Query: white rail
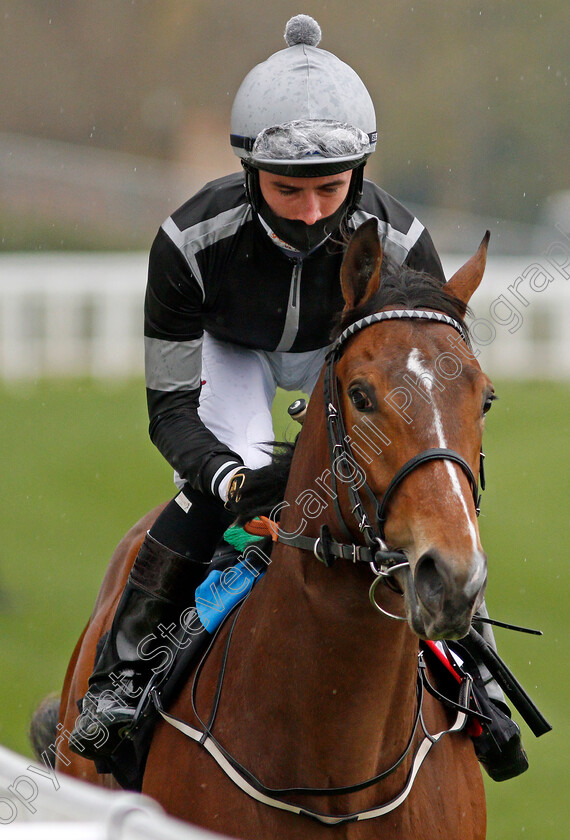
[[71, 314], [81, 314], [37, 804]]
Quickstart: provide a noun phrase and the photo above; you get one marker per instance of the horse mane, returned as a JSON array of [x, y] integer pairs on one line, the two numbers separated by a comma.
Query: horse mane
[[401, 288]]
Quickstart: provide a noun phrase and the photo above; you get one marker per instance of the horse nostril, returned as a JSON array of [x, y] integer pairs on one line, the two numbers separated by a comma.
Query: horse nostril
[[429, 583]]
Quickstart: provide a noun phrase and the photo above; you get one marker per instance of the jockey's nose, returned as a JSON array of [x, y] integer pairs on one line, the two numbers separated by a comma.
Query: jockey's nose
[[309, 210]]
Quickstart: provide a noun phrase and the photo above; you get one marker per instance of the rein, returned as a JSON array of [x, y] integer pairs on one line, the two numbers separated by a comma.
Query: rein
[[254, 788]]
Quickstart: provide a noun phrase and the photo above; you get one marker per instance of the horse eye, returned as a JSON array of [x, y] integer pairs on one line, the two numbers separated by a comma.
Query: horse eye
[[488, 403], [359, 399]]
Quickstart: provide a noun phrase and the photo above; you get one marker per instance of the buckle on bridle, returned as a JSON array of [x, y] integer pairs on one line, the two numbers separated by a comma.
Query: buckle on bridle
[[322, 547], [316, 550]]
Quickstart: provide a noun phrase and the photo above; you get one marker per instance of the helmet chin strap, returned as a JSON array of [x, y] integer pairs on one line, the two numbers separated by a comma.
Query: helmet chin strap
[[252, 188], [355, 189], [294, 232]]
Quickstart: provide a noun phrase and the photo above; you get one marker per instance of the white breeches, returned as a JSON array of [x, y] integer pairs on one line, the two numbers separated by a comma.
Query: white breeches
[[238, 388]]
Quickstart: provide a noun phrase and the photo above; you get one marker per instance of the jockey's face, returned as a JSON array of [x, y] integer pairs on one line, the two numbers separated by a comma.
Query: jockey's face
[[304, 199]]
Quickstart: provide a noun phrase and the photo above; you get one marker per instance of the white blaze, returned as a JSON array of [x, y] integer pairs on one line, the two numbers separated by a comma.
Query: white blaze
[[426, 377]]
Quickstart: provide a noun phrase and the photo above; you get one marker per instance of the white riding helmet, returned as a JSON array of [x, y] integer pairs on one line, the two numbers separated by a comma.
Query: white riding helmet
[[303, 111]]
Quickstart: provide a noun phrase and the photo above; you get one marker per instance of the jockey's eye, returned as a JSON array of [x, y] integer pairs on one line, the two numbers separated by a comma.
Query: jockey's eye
[[360, 399], [489, 399]]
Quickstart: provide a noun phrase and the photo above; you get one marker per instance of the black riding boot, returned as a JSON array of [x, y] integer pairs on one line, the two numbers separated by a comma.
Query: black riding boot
[[499, 748], [160, 587]]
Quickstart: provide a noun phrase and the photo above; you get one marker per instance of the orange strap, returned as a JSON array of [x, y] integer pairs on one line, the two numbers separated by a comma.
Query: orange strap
[[262, 527]]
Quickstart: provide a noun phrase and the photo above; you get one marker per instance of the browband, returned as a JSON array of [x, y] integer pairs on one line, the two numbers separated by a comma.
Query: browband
[[399, 314]]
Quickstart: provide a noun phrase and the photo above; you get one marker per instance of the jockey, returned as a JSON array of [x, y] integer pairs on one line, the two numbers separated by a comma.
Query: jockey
[[243, 285]]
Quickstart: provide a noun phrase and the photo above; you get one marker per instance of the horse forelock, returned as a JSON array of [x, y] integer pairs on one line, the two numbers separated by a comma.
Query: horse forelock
[[404, 288]]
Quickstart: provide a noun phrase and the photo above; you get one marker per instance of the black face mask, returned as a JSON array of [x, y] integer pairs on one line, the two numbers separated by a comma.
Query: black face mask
[[301, 236]]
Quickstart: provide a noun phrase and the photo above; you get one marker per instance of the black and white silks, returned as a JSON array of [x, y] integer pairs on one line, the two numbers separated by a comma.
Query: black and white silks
[[213, 268]]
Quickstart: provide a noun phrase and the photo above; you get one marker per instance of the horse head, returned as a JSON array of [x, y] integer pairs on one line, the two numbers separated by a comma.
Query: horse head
[[413, 399]]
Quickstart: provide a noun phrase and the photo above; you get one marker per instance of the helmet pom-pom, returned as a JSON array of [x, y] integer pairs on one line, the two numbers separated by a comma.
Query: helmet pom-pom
[[302, 29]]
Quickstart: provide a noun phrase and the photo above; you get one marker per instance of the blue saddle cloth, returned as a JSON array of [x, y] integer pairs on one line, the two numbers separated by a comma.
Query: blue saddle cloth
[[221, 591]]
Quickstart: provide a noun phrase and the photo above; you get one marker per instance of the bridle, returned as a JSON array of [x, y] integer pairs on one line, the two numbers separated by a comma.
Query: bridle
[[375, 551]]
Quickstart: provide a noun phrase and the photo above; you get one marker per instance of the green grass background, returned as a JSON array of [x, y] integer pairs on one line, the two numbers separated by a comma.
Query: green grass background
[[77, 470]]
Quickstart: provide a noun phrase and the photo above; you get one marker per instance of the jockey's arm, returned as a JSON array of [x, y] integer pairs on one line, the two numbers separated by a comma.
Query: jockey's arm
[[173, 360]]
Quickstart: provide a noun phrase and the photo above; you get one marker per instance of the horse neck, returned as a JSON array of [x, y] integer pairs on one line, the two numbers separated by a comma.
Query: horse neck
[[318, 622]]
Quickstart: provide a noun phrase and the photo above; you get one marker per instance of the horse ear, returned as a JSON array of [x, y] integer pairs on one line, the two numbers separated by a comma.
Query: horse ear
[[467, 278], [360, 271]]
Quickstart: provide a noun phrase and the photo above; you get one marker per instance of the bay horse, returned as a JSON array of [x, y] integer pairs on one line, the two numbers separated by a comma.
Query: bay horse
[[320, 699]]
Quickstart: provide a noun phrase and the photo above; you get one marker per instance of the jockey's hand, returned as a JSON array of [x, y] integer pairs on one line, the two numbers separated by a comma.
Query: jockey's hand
[[235, 488]]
